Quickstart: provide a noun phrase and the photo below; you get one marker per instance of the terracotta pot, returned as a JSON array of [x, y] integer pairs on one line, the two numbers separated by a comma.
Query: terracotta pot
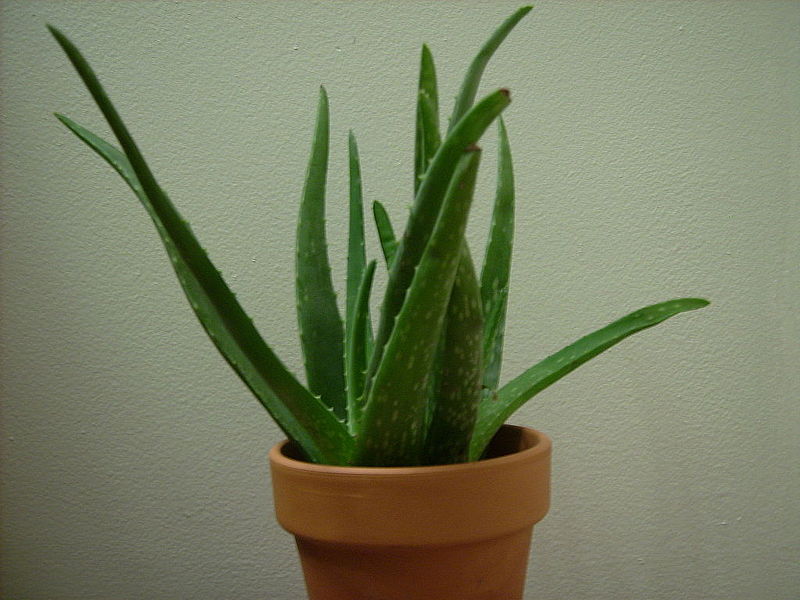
[[453, 532]]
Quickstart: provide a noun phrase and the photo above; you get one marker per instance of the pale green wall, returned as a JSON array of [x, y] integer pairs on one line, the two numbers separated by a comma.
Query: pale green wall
[[656, 148]]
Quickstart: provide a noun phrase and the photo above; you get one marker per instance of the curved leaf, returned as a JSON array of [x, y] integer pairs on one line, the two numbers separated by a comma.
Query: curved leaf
[[469, 87], [302, 417], [494, 410], [300, 414]]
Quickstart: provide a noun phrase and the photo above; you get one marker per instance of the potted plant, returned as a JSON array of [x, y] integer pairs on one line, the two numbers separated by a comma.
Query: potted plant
[[399, 478]]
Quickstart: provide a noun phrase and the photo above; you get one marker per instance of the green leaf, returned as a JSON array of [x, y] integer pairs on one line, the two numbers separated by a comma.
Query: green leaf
[[358, 350], [385, 232], [428, 138], [494, 410], [425, 212], [356, 253], [318, 317], [356, 259], [469, 87], [301, 415], [497, 263], [392, 431], [460, 370]]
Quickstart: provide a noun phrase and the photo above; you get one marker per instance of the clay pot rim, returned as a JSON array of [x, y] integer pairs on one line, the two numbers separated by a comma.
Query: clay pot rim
[[541, 446]]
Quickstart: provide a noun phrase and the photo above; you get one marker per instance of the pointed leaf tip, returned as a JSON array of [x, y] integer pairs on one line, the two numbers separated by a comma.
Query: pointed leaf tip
[[54, 30], [494, 411]]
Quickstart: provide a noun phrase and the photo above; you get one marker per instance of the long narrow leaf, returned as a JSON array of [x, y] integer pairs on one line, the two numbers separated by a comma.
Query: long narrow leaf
[[320, 325], [494, 410], [385, 232], [358, 350], [301, 415], [356, 253], [497, 263], [356, 264], [459, 371], [469, 87], [392, 431], [425, 212], [428, 138]]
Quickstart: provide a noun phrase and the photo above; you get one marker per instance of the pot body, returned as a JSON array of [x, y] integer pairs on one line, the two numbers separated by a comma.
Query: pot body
[[451, 532]]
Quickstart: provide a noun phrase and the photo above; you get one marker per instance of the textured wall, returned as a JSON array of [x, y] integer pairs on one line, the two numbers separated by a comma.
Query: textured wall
[[656, 148]]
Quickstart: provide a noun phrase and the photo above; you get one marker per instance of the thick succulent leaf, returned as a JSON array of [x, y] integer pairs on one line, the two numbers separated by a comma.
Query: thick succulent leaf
[[356, 252], [392, 431], [320, 325], [428, 138], [300, 414], [425, 211], [469, 87], [460, 370], [356, 258], [358, 350], [495, 409], [385, 232], [497, 264]]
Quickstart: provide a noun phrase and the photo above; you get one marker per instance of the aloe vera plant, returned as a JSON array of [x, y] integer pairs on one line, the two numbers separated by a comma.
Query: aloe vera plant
[[424, 387]]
